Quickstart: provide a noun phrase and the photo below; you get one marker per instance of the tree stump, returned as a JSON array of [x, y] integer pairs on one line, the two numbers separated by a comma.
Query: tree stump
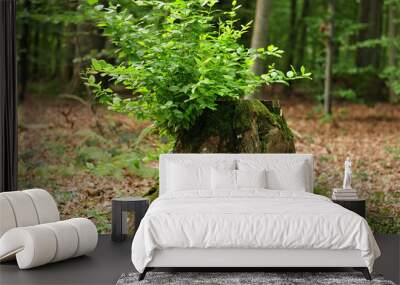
[[243, 126]]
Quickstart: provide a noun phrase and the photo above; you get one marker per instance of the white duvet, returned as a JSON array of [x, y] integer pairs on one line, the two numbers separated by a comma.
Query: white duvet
[[250, 219]]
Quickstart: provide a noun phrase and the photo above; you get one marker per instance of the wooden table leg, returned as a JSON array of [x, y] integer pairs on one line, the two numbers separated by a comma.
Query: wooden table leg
[[116, 224]]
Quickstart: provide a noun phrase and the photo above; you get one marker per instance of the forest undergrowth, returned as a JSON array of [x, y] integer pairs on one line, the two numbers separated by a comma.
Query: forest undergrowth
[[86, 158]]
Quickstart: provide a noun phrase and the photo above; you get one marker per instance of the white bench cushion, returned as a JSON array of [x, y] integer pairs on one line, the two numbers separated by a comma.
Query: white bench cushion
[[40, 244], [26, 208], [7, 220], [31, 232]]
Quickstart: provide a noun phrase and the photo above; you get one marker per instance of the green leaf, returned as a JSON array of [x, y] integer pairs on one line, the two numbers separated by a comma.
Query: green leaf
[[91, 80], [290, 74], [95, 64], [92, 2], [98, 7]]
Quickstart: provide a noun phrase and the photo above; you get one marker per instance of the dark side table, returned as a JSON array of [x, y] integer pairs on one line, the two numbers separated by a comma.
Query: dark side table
[[357, 206], [120, 208]]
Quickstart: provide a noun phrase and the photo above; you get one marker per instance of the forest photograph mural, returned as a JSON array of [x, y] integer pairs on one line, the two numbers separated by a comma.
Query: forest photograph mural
[[105, 87]]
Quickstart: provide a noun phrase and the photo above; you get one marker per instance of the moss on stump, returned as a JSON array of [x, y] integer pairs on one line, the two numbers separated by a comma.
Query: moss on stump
[[244, 126]]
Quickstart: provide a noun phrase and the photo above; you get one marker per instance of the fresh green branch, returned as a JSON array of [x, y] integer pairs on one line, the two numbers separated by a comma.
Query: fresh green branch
[[178, 60]]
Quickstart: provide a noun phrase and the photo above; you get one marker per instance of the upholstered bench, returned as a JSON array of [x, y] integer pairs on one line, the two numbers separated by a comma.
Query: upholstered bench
[[31, 231]]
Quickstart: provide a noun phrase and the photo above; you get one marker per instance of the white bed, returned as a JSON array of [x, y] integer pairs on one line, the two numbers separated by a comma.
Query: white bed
[[280, 225]]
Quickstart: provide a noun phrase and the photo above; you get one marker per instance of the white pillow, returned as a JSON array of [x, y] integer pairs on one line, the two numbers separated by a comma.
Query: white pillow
[[293, 180], [223, 179], [290, 175], [227, 179], [251, 178], [188, 177], [193, 174]]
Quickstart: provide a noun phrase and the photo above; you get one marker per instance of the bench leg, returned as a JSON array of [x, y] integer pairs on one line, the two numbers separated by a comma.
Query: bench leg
[[143, 274], [364, 271]]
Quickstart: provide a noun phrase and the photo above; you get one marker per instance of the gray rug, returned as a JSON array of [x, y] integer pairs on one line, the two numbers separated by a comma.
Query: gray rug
[[243, 278]]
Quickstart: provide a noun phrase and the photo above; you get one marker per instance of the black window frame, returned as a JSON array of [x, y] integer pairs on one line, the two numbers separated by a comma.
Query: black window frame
[[8, 97]]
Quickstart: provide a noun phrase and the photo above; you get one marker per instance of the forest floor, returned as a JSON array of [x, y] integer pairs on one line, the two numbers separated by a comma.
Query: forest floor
[[86, 158]]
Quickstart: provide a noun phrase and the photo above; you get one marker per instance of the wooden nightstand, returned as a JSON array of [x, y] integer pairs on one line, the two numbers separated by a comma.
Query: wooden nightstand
[[120, 207], [357, 206]]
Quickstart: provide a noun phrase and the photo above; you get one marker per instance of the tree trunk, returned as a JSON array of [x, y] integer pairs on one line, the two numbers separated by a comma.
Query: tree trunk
[[291, 48], [243, 126], [24, 52], [371, 17], [85, 41], [68, 58], [36, 47], [392, 56], [303, 31], [44, 52], [77, 61], [260, 32], [291, 45], [58, 52], [328, 59]]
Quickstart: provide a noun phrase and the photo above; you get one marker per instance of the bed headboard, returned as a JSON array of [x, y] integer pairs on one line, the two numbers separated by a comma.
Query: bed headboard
[[209, 159]]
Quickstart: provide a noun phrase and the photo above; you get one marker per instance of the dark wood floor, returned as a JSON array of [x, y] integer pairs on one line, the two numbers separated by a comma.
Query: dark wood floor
[[110, 260]]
